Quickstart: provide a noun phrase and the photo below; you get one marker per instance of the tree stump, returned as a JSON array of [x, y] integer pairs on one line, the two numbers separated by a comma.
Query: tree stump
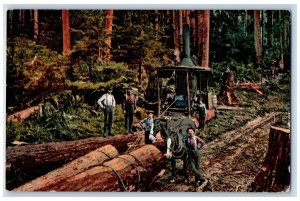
[[128, 172], [97, 157], [275, 172], [226, 95]]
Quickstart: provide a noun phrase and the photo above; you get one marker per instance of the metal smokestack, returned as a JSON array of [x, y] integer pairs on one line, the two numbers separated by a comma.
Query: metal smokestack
[[186, 41], [186, 60]]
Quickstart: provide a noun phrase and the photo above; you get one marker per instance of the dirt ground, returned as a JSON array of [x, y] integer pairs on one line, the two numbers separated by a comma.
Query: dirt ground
[[229, 163]]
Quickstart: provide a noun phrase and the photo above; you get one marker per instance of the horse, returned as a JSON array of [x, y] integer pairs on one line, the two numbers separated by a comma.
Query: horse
[[173, 132]]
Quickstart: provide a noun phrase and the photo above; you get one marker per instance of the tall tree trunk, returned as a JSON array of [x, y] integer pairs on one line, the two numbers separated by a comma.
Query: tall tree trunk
[[206, 30], [193, 32], [257, 37], [108, 31], [35, 26], [180, 31], [176, 37], [156, 23], [66, 32], [21, 21], [199, 29], [245, 23]]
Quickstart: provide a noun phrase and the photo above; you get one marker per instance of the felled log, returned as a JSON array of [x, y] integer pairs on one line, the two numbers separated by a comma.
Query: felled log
[[224, 107], [97, 157], [275, 172], [129, 172], [250, 86], [37, 160], [24, 114]]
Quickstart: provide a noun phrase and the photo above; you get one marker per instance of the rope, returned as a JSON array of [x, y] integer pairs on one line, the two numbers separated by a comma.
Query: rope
[[136, 142], [119, 177], [137, 170], [137, 160]]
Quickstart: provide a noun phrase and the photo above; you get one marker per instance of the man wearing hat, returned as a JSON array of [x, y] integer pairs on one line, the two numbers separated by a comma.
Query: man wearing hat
[[129, 107], [148, 125], [107, 103]]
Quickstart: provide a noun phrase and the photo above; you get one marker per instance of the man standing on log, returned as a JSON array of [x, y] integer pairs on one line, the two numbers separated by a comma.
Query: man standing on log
[[149, 127], [194, 144], [108, 103], [129, 108]]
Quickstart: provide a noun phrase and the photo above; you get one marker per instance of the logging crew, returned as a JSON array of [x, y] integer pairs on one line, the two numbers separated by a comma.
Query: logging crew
[[108, 103], [129, 108], [194, 144], [201, 108], [148, 125]]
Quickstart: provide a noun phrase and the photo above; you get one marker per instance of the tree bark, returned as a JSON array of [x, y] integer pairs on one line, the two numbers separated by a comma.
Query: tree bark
[[275, 172], [97, 157], [108, 31], [193, 32], [199, 30], [35, 26], [176, 37], [128, 172], [180, 21], [66, 32], [37, 160], [206, 30], [156, 23], [257, 37]]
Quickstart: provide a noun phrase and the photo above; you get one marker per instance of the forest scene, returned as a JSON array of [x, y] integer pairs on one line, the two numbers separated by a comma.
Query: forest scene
[[61, 63]]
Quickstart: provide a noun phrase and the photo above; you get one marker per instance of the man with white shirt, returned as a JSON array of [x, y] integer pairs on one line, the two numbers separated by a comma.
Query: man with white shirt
[[107, 103]]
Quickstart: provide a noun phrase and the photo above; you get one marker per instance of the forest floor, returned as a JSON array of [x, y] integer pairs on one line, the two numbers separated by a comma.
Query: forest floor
[[229, 163], [236, 144]]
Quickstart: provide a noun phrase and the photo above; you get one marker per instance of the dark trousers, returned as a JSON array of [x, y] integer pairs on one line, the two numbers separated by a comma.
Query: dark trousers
[[201, 121], [129, 112], [108, 118], [194, 160], [147, 140]]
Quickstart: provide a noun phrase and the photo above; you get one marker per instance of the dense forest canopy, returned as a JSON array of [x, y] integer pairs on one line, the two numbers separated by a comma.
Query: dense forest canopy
[[117, 45], [64, 59]]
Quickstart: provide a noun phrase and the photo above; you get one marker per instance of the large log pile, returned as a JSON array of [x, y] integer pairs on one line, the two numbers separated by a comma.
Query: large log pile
[[97, 157], [275, 172], [129, 172], [36, 160]]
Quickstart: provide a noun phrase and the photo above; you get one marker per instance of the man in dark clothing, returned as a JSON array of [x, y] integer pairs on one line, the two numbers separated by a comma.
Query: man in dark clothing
[[107, 103], [194, 144], [129, 108], [201, 108]]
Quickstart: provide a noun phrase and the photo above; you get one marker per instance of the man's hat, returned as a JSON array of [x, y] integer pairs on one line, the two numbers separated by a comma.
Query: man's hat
[[109, 88], [150, 111]]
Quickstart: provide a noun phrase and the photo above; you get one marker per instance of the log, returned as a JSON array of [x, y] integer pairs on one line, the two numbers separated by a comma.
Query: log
[[37, 160], [24, 114], [275, 171], [128, 172], [225, 107], [97, 157], [250, 86]]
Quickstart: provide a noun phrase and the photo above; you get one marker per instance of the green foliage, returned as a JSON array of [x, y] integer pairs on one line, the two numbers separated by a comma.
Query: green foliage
[[32, 70], [108, 72], [156, 54], [242, 72]]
